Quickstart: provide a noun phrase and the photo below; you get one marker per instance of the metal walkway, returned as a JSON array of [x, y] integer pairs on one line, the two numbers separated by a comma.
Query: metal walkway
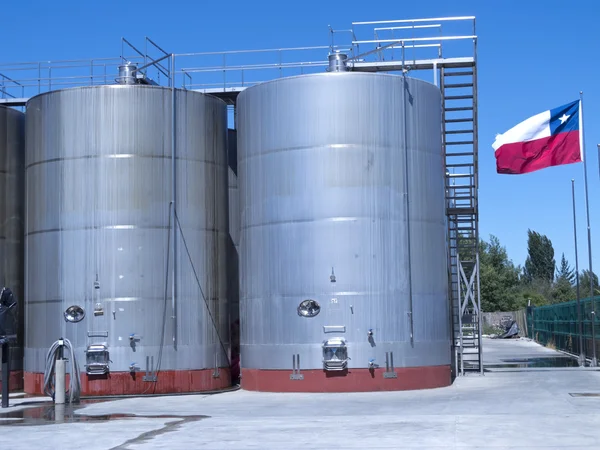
[[440, 50]]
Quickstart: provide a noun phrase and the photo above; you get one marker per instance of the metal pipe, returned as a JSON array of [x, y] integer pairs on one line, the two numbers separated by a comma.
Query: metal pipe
[[416, 46], [599, 160], [266, 50], [579, 324], [34, 64], [408, 27], [479, 312], [60, 375], [174, 192], [151, 63], [5, 373], [460, 309], [422, 39], [407, 194], [437, 19], [589, 230], [256, 66], [132, 47], [157, 46]]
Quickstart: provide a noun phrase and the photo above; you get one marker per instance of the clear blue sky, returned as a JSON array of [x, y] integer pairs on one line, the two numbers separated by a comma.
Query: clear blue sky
[[533, 55]]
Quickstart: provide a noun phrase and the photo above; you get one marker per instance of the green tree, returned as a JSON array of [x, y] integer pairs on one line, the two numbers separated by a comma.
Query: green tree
[[540, 263], [499, 278], [584, 284], [528, 297], [565, 271], [562, 290]]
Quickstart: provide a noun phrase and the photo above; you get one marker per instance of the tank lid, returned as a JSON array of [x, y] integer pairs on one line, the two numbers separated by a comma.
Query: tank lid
[[337, 62], [127, 73]]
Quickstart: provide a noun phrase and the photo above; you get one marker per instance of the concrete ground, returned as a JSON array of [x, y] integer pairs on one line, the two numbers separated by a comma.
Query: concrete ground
[[510, 409]]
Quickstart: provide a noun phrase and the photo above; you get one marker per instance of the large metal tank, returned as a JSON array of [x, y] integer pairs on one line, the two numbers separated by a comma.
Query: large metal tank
[[98, 235], [12, 206], [343, 250]]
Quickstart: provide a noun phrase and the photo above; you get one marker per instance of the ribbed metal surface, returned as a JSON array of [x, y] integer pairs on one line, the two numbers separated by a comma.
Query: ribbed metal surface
[[322, 186], [12, 206], [99, 184]]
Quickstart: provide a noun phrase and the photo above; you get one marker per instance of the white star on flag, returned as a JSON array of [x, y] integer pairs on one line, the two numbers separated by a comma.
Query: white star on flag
[[564, 118]]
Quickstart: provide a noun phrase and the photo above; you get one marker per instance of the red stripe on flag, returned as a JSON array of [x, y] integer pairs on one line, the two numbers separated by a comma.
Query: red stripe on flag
[[525, 157]]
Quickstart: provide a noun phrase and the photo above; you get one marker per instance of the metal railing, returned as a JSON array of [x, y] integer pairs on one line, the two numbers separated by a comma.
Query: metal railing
[[7, 83], [232, 70], [405, 41], [26, 79], [411, 40]]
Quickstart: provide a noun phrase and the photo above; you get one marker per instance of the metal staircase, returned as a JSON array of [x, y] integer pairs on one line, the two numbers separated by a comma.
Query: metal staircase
[[459, 109]]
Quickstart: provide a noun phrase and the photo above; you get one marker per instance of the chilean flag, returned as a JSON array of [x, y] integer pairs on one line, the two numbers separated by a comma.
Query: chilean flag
[[551, 138]]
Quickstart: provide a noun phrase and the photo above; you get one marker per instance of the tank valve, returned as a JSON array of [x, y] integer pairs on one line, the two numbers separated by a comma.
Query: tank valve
[[133, 367], [373, 364], [370, 332], [332, 276], [133, 337]]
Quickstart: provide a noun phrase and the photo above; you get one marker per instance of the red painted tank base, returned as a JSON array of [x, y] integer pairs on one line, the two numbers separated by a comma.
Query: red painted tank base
[[15, 381], [352, 380], [126, 383]]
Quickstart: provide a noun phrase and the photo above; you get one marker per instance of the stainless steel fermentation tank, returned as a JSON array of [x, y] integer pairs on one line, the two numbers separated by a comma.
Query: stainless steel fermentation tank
[[99, 234], [12, 206], [343, 250]]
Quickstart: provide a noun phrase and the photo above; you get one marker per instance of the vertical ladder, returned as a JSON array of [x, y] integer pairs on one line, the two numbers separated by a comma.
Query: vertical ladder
[[459, 108]]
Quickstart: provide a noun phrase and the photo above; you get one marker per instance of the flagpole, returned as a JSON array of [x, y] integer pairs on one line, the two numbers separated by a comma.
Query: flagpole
[[579, 325], [589, 232], [599, 160]]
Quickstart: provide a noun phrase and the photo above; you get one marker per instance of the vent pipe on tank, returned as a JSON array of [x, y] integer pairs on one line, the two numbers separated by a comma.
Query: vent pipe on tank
[[337, 62], [127, 74]]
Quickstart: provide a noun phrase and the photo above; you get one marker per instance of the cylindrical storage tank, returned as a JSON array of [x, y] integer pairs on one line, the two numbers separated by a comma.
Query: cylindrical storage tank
[[343, 252], [12, 207], [99, 174]]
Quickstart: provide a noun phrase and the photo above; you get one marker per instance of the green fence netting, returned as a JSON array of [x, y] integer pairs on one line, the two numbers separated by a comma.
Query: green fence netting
[[557, 325]]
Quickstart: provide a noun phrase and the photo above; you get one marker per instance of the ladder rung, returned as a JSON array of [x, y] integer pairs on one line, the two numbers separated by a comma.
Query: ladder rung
[[458, 85], [456, 74], [458, 131], [460, 143], [458, 97], [460, 154], [466, 119], [460, 211], [457, 187], [460, 175], [461, 165], [459, 108]]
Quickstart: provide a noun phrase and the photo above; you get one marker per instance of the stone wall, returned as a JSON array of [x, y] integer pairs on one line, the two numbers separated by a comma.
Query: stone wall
[[496, 319]]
